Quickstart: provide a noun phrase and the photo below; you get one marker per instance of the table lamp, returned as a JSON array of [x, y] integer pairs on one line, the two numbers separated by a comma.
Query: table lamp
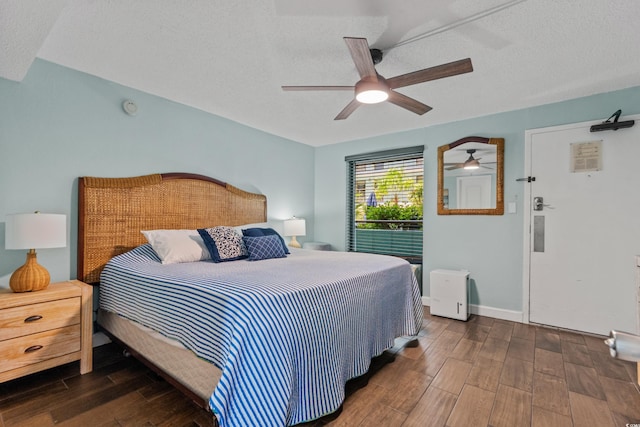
[[33, 231], [294, 227]]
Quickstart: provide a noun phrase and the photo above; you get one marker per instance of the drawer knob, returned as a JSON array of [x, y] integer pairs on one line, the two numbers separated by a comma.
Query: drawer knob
[[32, 348], [32, 318]]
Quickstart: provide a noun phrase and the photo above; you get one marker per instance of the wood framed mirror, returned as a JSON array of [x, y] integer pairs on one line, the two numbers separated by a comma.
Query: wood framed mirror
[[471, 177]]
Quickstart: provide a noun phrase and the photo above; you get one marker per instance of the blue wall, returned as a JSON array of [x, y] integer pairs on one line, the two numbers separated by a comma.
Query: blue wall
[[494, 253], [59, 124]]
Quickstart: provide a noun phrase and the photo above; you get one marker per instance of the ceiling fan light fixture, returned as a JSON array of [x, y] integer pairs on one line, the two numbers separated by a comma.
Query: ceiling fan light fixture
[[372, 91], [471, 164], [372, 96]]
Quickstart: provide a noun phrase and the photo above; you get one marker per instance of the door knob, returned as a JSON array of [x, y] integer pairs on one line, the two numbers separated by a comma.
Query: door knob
[[538, 203]]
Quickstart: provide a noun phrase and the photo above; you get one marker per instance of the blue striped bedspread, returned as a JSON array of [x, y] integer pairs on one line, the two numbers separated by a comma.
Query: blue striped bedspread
[[287, 333]]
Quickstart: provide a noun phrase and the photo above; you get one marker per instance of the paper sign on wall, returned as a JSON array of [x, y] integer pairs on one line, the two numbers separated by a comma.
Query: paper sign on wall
[[586, 156]]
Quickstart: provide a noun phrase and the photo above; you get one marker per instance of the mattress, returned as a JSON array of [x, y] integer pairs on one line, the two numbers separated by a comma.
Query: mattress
[[182, 364], [286, 333]]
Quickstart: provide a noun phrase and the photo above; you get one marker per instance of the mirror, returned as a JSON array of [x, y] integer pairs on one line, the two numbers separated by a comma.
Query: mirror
[[470, 177]]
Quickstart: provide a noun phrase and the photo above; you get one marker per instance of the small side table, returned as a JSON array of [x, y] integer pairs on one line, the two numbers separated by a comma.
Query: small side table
[[317, 246], [47, 328]]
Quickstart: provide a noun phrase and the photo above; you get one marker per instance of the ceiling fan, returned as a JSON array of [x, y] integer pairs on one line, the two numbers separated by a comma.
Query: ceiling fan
[[372, 88], [470, 164]]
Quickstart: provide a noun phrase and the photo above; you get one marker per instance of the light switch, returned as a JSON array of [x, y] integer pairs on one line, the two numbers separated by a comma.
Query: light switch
[[511, 208]]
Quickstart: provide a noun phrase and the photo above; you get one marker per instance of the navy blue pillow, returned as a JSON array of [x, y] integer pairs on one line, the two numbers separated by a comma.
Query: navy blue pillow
[[223, 243], [257, 232], [264, 247]]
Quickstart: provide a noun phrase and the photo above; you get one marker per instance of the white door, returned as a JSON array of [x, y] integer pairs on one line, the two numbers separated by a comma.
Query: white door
[[474, 192], [583, 242]]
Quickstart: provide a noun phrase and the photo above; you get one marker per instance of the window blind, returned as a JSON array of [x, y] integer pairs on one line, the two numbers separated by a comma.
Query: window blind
[[384, 202]]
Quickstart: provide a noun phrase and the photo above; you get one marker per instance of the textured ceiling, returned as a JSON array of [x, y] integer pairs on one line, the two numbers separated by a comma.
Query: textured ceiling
[[231, 57]]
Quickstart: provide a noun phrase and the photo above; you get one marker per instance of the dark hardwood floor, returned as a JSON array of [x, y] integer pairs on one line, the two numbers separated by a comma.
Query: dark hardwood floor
[[484, 372]]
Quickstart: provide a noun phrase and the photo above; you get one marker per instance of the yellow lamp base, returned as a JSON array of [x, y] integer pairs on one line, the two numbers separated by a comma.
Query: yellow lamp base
[[294, 243], [31, 276]]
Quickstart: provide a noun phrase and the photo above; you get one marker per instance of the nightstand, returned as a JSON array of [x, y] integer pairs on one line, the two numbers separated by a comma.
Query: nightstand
[[43, 329]]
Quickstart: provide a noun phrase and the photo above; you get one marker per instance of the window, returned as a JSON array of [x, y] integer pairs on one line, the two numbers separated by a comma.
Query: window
[[384, 202]]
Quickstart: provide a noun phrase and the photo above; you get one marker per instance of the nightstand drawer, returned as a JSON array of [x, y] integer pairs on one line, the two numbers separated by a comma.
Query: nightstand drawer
[[18, 352], [33, 318]]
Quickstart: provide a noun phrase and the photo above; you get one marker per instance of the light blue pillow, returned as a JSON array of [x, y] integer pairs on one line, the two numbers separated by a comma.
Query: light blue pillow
[[264, 247]]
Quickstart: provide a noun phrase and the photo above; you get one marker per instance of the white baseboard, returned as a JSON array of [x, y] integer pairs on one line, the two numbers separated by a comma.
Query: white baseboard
[[481, 310]]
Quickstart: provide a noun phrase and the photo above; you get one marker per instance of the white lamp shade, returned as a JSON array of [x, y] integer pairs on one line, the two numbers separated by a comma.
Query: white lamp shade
[[35, 231], [295, 227]]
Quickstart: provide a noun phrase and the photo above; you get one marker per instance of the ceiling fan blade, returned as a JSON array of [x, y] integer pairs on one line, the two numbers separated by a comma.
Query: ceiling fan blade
[[456, 166], [346, 111], [294, 88], [359, 49], [438, 72], [407, 103]]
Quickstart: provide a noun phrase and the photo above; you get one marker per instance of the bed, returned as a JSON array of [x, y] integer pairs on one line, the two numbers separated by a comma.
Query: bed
[[266, 341]]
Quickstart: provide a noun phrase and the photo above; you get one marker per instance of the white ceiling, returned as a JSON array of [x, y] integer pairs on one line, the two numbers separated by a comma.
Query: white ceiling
[[231, 57]]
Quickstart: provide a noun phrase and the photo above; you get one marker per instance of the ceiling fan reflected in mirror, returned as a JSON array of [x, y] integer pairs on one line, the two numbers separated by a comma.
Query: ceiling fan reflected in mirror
[[372, 88], [470, 164]]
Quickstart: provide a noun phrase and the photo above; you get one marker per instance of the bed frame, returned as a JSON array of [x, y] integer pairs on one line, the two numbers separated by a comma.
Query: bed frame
[[111, 213]]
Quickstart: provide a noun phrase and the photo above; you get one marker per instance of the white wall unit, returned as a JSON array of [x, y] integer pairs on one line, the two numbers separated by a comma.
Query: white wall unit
[[450, 293]]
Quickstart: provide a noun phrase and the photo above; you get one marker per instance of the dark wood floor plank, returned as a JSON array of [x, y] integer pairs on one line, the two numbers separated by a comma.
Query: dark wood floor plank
[[501, 330], [523, 349], [551, 393], [433, 329], [549, 362], [155, 411], [477, 332], [512, 408], [622, 397], [384, 416], [518, 374], [25, 405], [414, 352], [494, 348], [452, 376], [524, 331], [609, 367], [432, 410], [98, 398], [105, 414], [571, 336], [576, 353], [41, 419], [357, 406], [473, 408], [596, 343], [543, 418], [584, 380], [466, 350], [430, 362], [589, 412], [448, 340], [485, 374], [413, 385], [548, 339]]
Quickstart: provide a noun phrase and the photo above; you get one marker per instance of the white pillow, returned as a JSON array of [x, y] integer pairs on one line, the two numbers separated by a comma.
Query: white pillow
[[176, 246]]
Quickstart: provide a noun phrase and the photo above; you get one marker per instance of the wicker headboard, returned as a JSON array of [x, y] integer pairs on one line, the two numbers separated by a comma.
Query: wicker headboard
[[113, 211]]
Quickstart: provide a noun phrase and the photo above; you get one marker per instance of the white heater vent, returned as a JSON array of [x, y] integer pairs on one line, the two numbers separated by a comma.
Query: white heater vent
[[450, 293]]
